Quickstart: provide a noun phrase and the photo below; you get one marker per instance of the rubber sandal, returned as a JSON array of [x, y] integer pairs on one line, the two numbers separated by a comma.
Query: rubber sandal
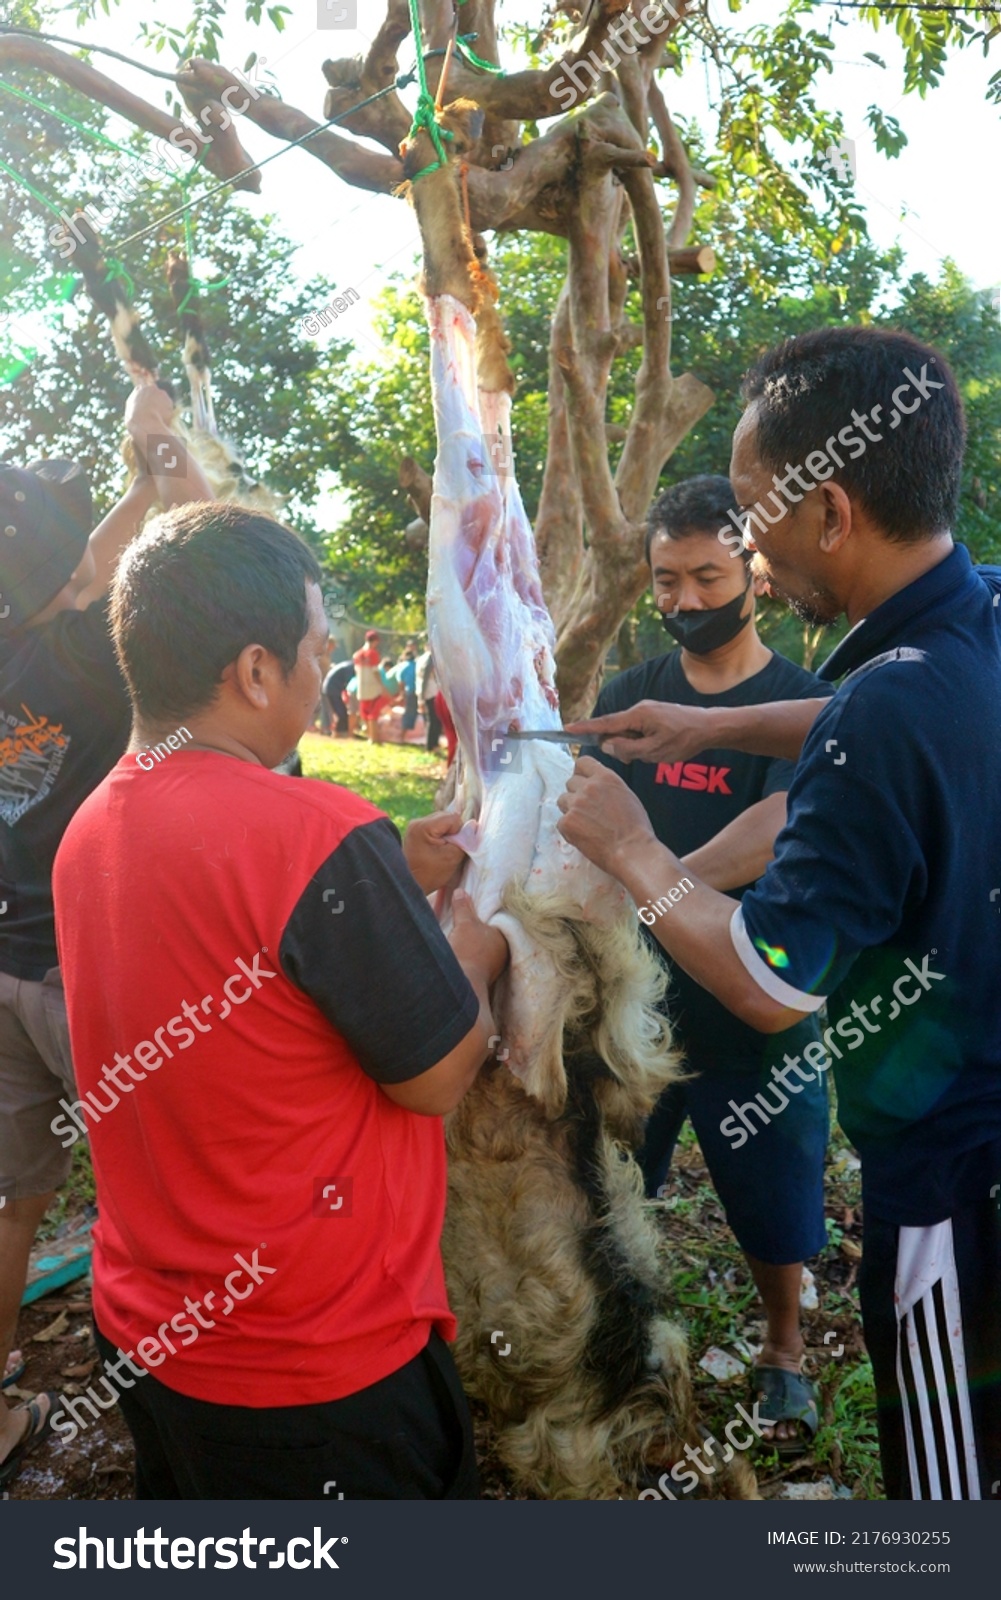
[[13, 1377], [41, 1428], [786, 1397]]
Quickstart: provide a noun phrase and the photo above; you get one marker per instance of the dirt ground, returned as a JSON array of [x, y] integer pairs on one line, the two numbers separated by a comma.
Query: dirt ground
[[711, 1295]]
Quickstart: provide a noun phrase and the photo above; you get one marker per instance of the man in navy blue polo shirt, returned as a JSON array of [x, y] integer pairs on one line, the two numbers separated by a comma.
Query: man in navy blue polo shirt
[[883, 895]]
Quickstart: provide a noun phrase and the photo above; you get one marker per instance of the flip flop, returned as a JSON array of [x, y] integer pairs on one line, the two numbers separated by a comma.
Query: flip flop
[[13, 1377], [40, 1428], [786, 1397]]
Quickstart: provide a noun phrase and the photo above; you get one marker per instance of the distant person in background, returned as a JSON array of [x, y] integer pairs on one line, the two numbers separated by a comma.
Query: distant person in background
[[445, 719], [427, 686], [354, 714], [334, 685], [406, 673], [323, 708], [372, 696]]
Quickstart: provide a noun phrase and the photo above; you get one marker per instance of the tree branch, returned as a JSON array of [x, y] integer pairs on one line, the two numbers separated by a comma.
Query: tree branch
[[364, 169], [416, 485], [559, 524], [223, 158], [676, 165], [531, 95], [387, 121]]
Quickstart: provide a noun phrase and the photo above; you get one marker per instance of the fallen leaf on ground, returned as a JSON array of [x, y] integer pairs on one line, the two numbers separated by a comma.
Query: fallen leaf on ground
[[53, 1330], [83, 1370], [850, 1249]]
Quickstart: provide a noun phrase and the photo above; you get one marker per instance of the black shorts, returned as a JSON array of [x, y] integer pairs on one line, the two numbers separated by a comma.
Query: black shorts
[[931, 1312], [772, 1185], [407, 1437]]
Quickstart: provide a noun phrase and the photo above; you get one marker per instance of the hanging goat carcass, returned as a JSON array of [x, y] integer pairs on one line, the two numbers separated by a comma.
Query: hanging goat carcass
[[107, 284], [551, 1257]]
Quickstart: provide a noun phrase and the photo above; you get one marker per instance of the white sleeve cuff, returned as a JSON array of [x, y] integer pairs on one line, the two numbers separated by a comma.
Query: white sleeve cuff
[[775, 987]]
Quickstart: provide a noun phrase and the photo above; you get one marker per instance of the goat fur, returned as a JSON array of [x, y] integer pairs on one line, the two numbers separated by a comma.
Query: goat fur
[[548, 1239]]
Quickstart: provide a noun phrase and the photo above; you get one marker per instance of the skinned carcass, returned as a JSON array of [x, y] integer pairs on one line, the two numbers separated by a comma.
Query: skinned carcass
[[550, 1254]]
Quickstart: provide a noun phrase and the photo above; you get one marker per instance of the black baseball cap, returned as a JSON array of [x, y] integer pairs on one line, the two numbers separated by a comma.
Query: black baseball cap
[[46, 517]]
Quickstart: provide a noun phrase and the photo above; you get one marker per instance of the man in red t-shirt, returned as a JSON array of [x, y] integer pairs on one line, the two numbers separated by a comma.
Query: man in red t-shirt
[[372, 696], [268, 1025]]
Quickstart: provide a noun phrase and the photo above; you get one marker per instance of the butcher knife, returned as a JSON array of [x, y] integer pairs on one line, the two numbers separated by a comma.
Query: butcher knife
[[560, 736]]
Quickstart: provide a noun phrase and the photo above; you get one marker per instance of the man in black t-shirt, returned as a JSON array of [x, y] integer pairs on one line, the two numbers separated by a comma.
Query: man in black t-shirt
[[64, 722], [334, 685], [721, 811]]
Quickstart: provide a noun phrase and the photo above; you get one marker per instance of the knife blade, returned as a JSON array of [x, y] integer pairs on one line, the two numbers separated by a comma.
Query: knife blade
[[560, 736], [551, 736]]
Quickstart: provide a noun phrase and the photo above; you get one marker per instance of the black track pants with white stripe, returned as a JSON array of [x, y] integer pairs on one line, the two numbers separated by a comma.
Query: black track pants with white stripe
[[931, 1312]]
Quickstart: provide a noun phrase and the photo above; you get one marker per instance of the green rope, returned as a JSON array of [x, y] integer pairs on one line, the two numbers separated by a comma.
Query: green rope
[[71, 122], [470, 57], [56, 212], [195, 285], [425, 116], [400, 82], [116, 269]]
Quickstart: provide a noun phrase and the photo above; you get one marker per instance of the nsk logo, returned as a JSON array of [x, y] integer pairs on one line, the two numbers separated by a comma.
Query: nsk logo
[[693, 775]]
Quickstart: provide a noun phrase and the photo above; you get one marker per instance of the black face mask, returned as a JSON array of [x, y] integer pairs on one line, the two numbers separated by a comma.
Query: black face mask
[[702, 632]]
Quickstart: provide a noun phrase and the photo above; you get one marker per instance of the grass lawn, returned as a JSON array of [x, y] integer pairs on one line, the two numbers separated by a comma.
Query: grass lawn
[[400, 779]]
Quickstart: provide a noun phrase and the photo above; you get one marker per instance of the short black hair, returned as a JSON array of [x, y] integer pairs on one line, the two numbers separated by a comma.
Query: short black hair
[[704, 504], [806, 390], [198, 585]]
